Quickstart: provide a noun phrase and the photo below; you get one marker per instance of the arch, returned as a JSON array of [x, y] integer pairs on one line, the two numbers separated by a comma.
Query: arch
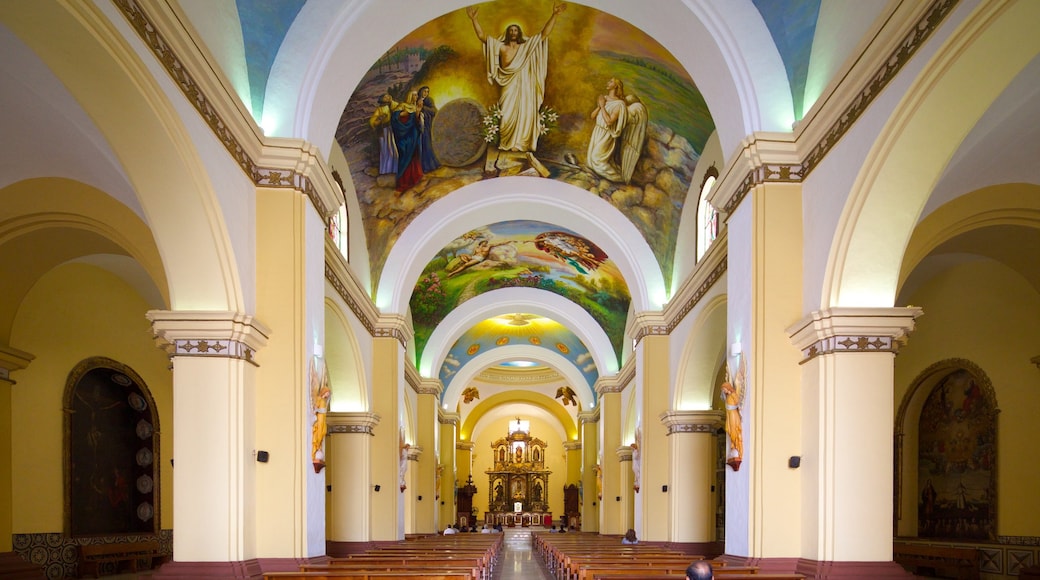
[[61, 220], [704, 353], [145, 132], [536, 399], [949, 97], [452, 391], [343, 357], [906, 434], [509, 300], [521, 198]]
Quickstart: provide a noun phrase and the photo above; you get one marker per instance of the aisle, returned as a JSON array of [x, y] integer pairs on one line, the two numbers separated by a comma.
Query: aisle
[[518, 561]]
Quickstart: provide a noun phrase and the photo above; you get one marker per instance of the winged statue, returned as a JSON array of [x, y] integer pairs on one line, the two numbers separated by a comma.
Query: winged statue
[[733, 395], [469, 394], [568, 396]]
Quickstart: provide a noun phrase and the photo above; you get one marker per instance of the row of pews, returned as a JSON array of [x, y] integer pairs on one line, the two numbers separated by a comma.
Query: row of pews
[[435, 557], [594, 557]]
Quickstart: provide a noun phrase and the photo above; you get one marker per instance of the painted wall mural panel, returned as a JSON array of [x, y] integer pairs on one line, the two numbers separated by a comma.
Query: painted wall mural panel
[[520, 254], [585, 98]]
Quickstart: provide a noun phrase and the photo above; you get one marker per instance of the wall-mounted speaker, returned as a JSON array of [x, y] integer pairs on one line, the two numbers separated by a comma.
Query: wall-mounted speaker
[[376, 487], [664, 489], [794, 461], [262, 456]]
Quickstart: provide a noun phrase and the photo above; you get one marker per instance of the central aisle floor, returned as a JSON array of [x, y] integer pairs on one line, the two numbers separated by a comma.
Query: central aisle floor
[[518, 561]]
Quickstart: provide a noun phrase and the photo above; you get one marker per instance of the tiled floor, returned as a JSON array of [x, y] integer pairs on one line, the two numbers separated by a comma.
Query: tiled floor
[[518, 561]]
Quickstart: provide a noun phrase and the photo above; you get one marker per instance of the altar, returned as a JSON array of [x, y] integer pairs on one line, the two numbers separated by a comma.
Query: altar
[[518, 482]]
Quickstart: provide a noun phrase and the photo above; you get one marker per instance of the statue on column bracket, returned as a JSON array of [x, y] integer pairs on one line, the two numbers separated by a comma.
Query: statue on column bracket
[[320, 395], [733, 395]]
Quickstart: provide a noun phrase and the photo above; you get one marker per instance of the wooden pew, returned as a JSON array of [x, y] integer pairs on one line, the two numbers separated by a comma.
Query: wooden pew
[[123, 554], [922, 559], [373, 575]]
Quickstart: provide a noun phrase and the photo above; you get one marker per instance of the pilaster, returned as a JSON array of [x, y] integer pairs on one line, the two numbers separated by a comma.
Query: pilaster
[[214, 400], [449, 425], [426, 482], [650, 458], [690, 452], [626, 492], [463, 460], [348, 474], [11, 359], [411, 487], [610, 467], [388, 462], [847, 418], [592, 495]]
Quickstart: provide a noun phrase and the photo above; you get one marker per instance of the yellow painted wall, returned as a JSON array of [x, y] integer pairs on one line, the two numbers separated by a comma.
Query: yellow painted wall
[[74, 312], [988, 314], [555, 461]]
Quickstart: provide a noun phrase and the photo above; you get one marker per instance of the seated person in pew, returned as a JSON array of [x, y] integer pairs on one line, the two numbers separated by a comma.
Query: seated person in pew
[[630, 537], [699, 570]]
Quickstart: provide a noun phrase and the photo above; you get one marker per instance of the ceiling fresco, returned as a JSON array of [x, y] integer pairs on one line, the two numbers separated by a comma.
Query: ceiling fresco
[[526, 254], [405, 152], [518, 329]]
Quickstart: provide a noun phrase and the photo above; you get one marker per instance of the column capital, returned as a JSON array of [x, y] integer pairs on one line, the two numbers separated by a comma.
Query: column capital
[[422, 386], [447, 417], [588, 416], [692, 421], [414, 452], [208, 333], [392, 326], [624, 453], [649, 323], [572, 445], [358, 422], [846, 329], [618, 382], [12, 359], [464, 445]]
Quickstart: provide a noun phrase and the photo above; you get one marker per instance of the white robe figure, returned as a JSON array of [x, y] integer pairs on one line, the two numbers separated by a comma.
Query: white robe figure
[[600, 156], [522, 90]]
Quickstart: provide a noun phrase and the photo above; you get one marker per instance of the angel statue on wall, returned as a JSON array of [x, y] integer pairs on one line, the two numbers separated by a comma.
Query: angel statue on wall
[[733, 395], [320, 395], [469, 394], [403, 473], [567, 395], [618, 135], [637, 458]]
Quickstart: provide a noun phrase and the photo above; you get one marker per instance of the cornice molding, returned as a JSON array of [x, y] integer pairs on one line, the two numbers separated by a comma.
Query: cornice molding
[[465, 445], [352, 422], [347, 286], [206, 333], [446, 417], [853, 330], [572, 445], [414, 453], [624, 453], [422, 385], [12, 359], [709, 270], [781, 158], [618, 382], [692, 421], [588, 416], [534, 376]]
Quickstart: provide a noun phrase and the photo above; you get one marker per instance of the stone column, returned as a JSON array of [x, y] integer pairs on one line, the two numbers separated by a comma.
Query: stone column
[[847, 422], [626, 491], [11, 359], [214, 475], [348, 473], [449, 478], [590, 498], [690, 498]]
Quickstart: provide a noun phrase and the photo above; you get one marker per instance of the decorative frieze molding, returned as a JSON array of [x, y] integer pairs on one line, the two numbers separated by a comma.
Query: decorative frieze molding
[[464, 445], [624, 453], [618, 382], [709, 270], [534, 376], [284, 163], [352, 422], [393, 326], [421, 385], [692, 421], [647, 324], [859, 330], [414, 453], [588, 416], [572, 445], [203, 333], [446, 417], [12, 359]]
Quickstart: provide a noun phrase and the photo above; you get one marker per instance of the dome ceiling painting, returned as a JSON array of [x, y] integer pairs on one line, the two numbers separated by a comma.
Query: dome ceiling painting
[[656, 152]]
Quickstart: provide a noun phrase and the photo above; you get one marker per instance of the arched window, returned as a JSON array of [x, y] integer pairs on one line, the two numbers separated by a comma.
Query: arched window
[[707, 217], [339, 224], [111, 451]]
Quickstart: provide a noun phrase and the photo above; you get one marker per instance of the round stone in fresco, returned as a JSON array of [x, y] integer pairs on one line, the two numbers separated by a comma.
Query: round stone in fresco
[[456, 133]]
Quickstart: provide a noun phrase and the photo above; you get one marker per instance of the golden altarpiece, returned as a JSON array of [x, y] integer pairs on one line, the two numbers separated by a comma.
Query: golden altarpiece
[[518, 483]]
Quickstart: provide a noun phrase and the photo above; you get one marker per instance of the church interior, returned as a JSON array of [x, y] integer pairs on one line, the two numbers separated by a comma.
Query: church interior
[[285, 280]]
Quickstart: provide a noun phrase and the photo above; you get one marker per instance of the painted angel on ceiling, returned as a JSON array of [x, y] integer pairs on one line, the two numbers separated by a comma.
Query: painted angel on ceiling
[[733, 395], [568, 396], [618, 135]]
